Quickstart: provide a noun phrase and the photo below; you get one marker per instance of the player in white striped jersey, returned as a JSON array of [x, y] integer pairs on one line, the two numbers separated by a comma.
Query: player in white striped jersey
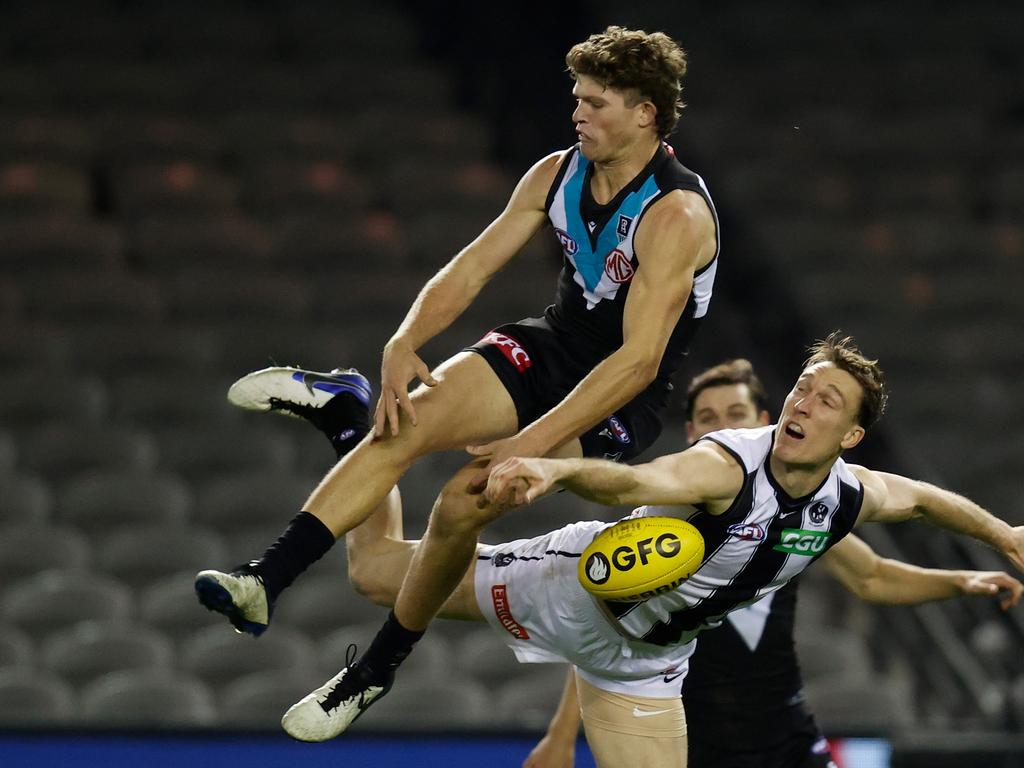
[[787, 483]]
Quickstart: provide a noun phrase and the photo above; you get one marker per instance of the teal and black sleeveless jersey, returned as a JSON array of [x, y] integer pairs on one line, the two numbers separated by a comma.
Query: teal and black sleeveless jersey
[[600, 258]]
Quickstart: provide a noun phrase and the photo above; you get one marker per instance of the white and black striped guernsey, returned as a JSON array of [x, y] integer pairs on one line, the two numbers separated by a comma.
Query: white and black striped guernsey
[[755, 547]]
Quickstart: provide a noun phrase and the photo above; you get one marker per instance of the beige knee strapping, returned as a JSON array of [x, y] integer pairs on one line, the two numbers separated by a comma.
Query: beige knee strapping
[[632, 715]]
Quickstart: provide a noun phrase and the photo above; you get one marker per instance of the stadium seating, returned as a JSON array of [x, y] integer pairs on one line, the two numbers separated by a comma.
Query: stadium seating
[[88, 650], [149, 699], [57, 599], [29, 698]]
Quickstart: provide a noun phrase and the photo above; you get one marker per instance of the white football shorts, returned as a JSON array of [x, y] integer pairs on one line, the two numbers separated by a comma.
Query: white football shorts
[[529, 592]]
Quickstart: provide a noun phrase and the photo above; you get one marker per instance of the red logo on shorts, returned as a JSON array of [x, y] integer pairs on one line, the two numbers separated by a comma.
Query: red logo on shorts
[[617, 267], [510, 348], [499, 596]]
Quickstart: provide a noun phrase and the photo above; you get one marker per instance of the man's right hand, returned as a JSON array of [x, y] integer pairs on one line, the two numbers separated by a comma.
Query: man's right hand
[[552, 752], [400, 365]]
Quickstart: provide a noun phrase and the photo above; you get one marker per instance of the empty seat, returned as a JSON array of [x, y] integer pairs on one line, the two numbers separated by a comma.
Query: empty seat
[[222, 296], [170, 605], [91, 299], [27, 400], [280, 187], [455, 703], [55, 600], [153, 699], [484, 656], [247, 499], [33, 698], [94, 648], [24, 499], [114, 351], [319, 603], [28, 548], [218, 655], [58, 451], [366, 243], [258, 700], [97, 502], [32, 187], [530, 700], [141, 555], [59, 242], [174, 187], [173, 242], [16, 648], [238, 448], [162, 400]]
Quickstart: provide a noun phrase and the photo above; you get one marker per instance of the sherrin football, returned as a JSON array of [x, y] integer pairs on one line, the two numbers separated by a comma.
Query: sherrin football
[[640, 557]]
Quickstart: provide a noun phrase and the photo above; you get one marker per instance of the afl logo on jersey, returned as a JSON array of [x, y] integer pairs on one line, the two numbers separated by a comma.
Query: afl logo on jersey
[[618, 430], [617, 267], [746, 532], [568, 244]]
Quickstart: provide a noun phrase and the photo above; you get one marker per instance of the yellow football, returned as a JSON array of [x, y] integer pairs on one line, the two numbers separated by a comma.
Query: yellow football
[[640, 557]]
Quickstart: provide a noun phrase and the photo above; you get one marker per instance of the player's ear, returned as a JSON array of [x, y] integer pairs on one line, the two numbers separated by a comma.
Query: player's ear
[[852, 437], [690, 432], [764, 418], [648, 114]]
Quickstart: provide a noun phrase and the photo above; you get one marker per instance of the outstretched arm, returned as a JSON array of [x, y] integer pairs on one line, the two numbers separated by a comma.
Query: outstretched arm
[[891, 498], [705, 473], [558, 747], [448, 293], [882, 580]]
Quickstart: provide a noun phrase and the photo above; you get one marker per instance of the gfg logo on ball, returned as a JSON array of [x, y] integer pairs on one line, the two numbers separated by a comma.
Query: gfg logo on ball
[[625, 557]]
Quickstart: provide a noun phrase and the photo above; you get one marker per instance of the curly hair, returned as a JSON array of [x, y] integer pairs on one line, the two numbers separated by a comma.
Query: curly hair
[[843, 353], [649, 65]]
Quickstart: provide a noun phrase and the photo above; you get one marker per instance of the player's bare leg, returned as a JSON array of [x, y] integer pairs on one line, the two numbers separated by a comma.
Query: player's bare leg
[[378, 558], [632, 730], [439, 575], [468, 405]]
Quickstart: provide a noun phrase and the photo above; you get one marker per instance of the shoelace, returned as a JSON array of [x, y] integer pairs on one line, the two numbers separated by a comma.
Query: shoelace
[[346, 688]]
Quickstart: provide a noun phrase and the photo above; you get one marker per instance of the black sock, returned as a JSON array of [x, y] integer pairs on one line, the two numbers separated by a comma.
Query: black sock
[[391, 645], [304, 541], [352, 420]]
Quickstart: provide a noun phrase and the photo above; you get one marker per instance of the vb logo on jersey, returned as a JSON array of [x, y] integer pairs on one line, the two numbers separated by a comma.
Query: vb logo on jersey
[[797, 541]]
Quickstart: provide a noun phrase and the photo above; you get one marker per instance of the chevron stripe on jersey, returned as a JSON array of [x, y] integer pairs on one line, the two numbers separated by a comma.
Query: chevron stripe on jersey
[[761, 542]]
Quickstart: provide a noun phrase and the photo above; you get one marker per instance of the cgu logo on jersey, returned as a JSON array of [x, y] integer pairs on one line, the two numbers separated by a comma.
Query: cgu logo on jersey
[[746, 532], [617, 267], [797, 541], [568, 244]]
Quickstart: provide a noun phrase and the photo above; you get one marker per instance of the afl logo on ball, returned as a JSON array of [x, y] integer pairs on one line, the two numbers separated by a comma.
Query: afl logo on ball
[[598, 569], [568, 244]]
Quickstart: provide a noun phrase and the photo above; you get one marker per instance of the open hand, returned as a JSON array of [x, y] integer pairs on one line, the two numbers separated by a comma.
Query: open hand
[[399, 365], [994, 583]]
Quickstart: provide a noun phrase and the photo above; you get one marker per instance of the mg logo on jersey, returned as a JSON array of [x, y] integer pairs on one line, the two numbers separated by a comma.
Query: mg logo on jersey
[[797, 541], [617, 267], [818, 513], [568, 244], [510, 348], [746, 532]]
